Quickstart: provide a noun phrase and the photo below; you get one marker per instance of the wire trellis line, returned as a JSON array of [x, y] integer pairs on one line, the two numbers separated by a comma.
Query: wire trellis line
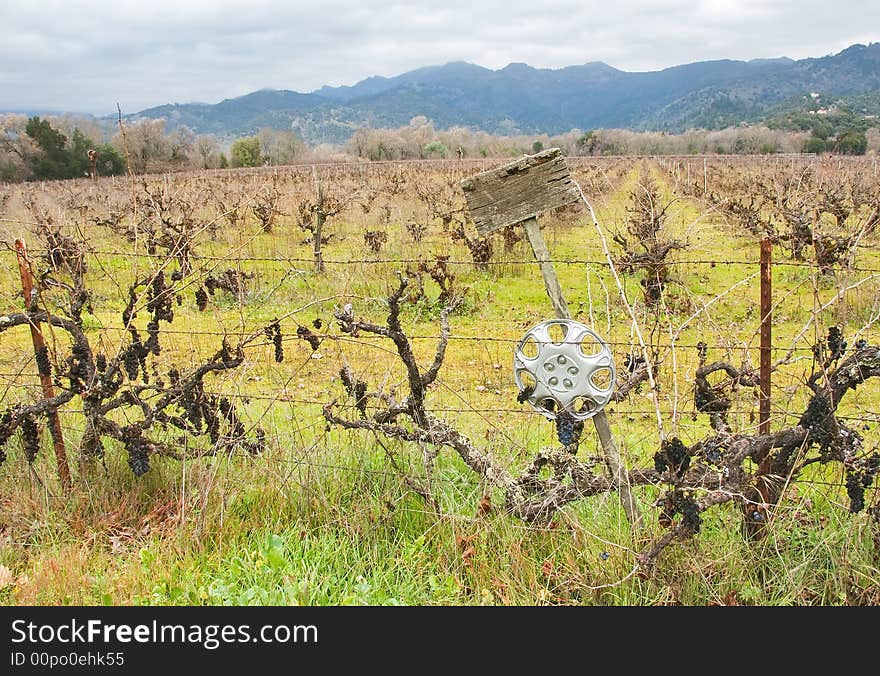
[[452, 261], [370, 340], [615, 408]]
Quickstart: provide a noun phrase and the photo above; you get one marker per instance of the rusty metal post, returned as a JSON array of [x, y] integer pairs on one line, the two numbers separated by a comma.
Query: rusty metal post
[[766, 334], [41, 353]]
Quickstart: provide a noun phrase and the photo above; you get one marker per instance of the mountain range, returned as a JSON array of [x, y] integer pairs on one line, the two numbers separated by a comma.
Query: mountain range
[[521, 99]]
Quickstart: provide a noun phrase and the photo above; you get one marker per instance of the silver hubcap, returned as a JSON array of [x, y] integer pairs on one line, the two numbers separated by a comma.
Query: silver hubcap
[[571, 369]]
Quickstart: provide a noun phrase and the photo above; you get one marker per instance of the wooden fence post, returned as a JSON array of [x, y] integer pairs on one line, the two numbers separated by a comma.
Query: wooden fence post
[[766, 334], [41, 353], [705, 177], [319, 223]]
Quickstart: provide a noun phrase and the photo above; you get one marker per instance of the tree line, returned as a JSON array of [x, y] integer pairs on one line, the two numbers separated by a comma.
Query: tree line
[[34, 148], [419, 140]]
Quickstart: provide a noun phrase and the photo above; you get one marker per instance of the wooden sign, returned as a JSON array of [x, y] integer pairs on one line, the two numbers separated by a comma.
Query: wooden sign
[[519, 190]]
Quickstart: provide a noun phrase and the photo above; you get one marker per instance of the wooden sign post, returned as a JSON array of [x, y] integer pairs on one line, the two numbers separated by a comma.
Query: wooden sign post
[[515, 194]]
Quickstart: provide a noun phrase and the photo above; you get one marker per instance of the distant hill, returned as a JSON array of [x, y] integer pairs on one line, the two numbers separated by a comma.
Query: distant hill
[[522, 99]]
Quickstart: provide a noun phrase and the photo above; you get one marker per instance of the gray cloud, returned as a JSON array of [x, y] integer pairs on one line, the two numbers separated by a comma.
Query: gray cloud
[[89, 55]]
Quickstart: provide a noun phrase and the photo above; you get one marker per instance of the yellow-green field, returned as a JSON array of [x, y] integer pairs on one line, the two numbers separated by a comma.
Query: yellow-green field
[[331, 516]]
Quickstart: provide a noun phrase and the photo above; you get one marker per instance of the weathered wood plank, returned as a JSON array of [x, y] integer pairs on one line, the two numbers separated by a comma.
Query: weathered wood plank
[[519, 190]]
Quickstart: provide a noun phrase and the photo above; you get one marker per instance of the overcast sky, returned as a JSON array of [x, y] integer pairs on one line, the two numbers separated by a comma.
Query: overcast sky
[[85, 56]]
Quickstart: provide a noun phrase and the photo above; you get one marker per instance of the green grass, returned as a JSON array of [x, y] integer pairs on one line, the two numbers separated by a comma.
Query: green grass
[[323, 518]]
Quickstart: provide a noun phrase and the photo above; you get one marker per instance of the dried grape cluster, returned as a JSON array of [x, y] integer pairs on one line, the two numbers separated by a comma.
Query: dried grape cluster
[[677, 502], [673, 456], [137, 447], [205, 413], [133, 358], [818, 420], [44, 366], [832, 348], [836, 343], [30, 437], [480, 247], [309, 336], [858, 479], [416, 230], [160, 305], [355, 387], [191, 400], [713, 451], [230, 280], [273, 332], [524, 394], [201, 299], [568, 428], [6, 431]]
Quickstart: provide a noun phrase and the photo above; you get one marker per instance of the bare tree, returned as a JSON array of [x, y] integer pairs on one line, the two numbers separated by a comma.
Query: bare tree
[[208, 151]]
